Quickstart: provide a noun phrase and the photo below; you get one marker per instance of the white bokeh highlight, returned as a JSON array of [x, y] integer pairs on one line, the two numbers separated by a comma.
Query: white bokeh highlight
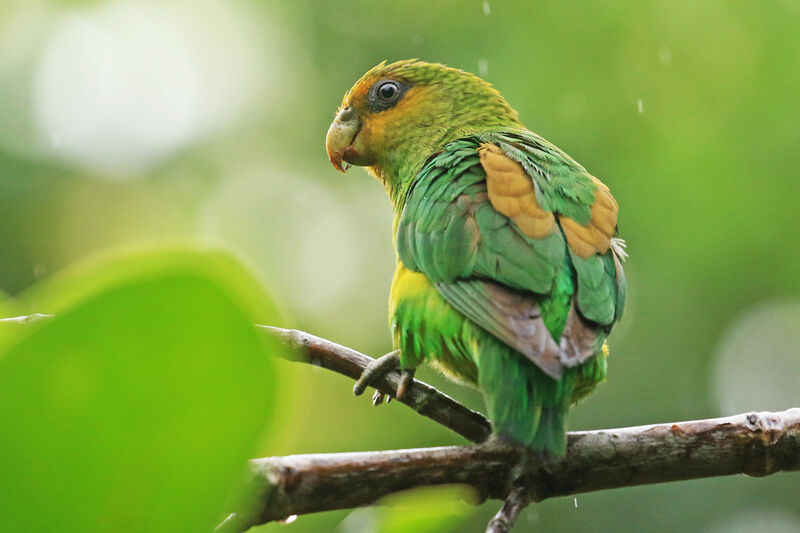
[[123, 85], [23, 29], [323, 252], [757, 363]]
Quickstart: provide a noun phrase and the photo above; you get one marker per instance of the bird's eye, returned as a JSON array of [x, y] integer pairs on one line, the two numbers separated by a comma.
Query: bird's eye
[[388, 91], [385, 94]]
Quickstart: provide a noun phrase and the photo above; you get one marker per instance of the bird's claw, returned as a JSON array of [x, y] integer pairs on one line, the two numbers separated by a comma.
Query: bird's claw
[[379, 397], [376, 369]]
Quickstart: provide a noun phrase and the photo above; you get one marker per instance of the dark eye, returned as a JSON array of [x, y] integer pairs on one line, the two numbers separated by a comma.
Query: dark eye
[[388, 91], [385, 94]]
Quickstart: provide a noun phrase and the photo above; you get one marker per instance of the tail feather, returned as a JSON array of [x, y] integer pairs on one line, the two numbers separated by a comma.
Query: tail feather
[[551, 433], [525, 405]]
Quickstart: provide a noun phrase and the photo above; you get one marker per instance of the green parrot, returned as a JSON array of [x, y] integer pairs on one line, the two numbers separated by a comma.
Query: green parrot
[[509, 270]]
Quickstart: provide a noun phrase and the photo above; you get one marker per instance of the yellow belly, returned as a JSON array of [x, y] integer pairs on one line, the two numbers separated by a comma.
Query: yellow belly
[[426, 328]]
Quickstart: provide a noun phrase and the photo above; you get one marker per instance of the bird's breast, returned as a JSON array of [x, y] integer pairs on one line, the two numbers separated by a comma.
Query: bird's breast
[[427, 328]]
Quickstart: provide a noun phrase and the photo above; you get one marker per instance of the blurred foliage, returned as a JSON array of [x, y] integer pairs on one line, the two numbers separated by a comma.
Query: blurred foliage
[[685, 109], [425, 510], [136, 406]]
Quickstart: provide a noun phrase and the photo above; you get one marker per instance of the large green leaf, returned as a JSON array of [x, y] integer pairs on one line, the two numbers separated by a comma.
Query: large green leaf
[[101, 272], [136, 407], [9, 326]]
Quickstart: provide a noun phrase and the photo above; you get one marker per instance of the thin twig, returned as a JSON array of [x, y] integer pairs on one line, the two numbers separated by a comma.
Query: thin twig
[[421, 397], [25, 319], [232, 524], [502, 522]]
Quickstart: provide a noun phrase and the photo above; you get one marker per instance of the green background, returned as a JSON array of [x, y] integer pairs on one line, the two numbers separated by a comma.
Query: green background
[[687, 110]]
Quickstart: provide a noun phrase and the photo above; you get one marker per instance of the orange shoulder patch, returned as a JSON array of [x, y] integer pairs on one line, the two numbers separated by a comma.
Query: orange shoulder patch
[[595, 237], [511, 192]]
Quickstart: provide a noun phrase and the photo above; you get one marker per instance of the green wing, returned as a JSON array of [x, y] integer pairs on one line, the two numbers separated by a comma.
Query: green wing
[[449, 229], [489, 270]]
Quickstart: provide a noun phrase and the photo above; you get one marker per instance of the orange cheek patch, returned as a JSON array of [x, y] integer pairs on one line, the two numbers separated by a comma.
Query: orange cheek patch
[[511, 192], [410, 105], [375, 127], [369, 139]]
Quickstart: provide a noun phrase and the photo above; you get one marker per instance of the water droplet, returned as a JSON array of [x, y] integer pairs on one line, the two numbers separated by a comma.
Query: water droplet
[[483, 67], [288, 520], [665, 55], [640, 106], [575, 500], [487, 9]]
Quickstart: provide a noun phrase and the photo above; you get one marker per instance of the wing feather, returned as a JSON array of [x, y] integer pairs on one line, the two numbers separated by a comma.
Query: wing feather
[[494, 219]]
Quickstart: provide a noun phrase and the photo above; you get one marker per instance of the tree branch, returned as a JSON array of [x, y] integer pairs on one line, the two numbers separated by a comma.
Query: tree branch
[[756, 444], [421, 397], [503, 521]]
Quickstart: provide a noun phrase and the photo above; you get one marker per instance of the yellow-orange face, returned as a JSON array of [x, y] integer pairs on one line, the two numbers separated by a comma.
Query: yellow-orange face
[[373, 112], [400, 112]]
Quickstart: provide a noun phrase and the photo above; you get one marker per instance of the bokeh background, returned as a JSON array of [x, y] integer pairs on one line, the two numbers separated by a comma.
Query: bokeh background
[[131, 121]]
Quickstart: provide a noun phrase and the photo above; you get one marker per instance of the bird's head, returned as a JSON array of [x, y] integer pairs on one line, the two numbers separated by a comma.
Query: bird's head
[[396, 115]]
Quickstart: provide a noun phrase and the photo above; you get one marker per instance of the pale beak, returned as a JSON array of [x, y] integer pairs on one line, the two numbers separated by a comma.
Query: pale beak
[[341, 134]]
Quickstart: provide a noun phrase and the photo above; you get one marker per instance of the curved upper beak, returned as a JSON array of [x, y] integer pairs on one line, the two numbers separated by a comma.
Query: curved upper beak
[[343, 130], [341, 134]]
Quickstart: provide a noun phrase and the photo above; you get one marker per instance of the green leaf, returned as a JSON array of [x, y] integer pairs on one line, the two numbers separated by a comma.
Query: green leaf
[[101, 272], [9, 325], [424, 510], [136, 408]]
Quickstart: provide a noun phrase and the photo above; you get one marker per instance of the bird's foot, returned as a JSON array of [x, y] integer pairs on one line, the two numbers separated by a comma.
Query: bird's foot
[[376, 369], [406, 379]]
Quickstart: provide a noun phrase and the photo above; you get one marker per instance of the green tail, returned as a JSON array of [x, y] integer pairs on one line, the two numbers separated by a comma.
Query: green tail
[[551, 435], [527, 406]]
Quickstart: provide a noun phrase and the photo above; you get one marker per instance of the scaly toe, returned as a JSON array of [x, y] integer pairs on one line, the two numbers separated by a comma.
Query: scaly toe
[[375, 370]]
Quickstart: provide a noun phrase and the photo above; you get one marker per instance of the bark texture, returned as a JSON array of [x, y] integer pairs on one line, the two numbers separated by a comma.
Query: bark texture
[[755, 444]]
